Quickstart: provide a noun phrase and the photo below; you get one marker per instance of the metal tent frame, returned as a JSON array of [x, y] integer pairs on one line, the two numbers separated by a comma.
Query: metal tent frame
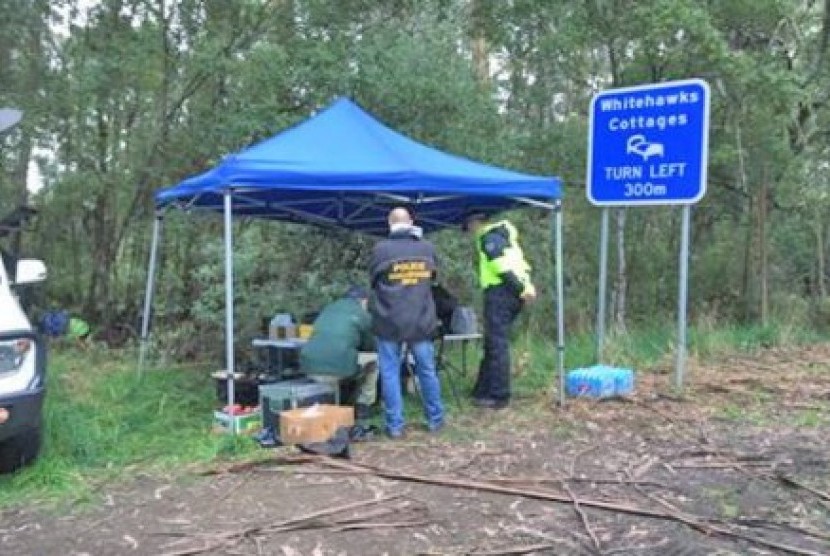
[[229, 196]]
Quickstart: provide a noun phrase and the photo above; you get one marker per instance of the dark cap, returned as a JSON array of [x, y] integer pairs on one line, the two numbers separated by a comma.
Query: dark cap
[[471, 215], [357, 292]]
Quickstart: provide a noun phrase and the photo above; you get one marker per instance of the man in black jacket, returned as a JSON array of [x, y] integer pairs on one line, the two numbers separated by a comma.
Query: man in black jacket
[[403, 311]]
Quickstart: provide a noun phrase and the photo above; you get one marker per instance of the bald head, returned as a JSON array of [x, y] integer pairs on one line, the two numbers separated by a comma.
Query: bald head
[[398, 217]]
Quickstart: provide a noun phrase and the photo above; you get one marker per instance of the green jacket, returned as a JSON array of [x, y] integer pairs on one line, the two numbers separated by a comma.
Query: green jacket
[[340, 331]]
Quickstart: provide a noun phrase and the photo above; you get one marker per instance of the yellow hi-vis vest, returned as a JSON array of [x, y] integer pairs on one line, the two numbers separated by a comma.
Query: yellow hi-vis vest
[[511, 259]]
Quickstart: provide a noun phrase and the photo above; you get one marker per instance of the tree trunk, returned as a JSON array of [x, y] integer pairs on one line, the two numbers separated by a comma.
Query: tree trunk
[[746, 284], [481, 56], [763, 249], [818, 228], [21, 173], [746, 281]]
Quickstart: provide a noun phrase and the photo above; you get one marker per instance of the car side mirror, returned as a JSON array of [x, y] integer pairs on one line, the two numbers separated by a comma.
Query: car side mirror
[[30, 271]]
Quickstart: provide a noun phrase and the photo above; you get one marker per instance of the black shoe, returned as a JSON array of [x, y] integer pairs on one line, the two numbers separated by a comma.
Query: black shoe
[[490, 403]]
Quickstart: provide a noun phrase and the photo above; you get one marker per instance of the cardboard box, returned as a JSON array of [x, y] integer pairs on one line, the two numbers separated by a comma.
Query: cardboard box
[[247, 423], [317, 423]]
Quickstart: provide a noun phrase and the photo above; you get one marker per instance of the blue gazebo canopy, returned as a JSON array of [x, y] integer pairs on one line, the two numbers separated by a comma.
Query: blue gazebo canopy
[[343, 168]]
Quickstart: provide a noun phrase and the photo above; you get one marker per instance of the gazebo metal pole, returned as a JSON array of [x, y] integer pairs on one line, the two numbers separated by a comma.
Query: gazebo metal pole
[[148, 293], [229, 352], [560, 304]]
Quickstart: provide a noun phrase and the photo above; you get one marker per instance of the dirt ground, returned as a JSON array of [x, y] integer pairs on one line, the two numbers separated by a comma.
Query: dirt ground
[[739, 465]]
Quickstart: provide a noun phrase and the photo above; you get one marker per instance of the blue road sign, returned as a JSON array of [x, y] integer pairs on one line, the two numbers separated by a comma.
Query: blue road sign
[[648, 145]]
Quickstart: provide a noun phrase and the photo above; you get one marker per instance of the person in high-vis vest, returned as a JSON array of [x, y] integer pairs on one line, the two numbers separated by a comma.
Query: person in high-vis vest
[[504, 275]]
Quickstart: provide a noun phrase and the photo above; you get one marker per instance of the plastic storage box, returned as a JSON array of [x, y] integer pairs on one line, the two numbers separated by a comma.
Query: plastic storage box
[[247, 423], [600, 381], [291, 394]]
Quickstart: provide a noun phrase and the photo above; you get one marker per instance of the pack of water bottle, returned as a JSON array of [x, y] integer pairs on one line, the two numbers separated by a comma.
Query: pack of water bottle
[[599, 381]]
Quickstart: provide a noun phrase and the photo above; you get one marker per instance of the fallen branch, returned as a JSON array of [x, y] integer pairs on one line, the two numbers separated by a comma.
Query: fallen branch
[[705, 453], [577, 508], [236, 467], [769, 524], [695, 522], [736, 465], [585, 523], [467, 484], [546, 480], [390, 525], [801, 405], [220, 540], [512, 551], [795, 483], [711, 528]]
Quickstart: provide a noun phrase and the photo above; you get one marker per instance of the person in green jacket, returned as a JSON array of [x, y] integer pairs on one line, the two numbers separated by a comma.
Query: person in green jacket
[[342, 345]]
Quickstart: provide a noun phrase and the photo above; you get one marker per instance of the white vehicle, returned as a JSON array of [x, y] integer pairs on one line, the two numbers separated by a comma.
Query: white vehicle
[[637, 144], [22, 356]]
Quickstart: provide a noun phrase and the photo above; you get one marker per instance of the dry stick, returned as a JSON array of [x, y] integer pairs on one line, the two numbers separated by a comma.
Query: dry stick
[[314, 520], [580, 512], [691, 521], [724, 531], [766, 523], [544, 480], [743, 464], [782, 478], [471, 485], [793, 482], [390, 525], [236, 467], [763, 542], [231, 535], [708, 452], [584, 518], [735, 465], [504, 480]]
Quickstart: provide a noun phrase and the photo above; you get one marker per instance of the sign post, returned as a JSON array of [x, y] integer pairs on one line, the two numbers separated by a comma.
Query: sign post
[[649, 145]]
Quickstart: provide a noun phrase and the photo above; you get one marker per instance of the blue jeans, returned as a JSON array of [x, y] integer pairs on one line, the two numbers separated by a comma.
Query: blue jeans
[[389, 363]]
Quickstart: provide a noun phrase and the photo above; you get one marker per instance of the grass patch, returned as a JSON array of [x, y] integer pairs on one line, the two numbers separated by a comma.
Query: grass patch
[[103, 420], [755, 416], [810, 418]]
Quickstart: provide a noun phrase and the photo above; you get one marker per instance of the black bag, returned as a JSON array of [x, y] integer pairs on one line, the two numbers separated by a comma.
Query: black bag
[[336, 447], [445, 305], [464, 321]]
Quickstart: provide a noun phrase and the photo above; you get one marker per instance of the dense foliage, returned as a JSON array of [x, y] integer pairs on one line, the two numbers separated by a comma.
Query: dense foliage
[[125, 96]]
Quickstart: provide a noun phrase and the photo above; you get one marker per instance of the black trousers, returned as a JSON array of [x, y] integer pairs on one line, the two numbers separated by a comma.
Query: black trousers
[[501, 307]]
